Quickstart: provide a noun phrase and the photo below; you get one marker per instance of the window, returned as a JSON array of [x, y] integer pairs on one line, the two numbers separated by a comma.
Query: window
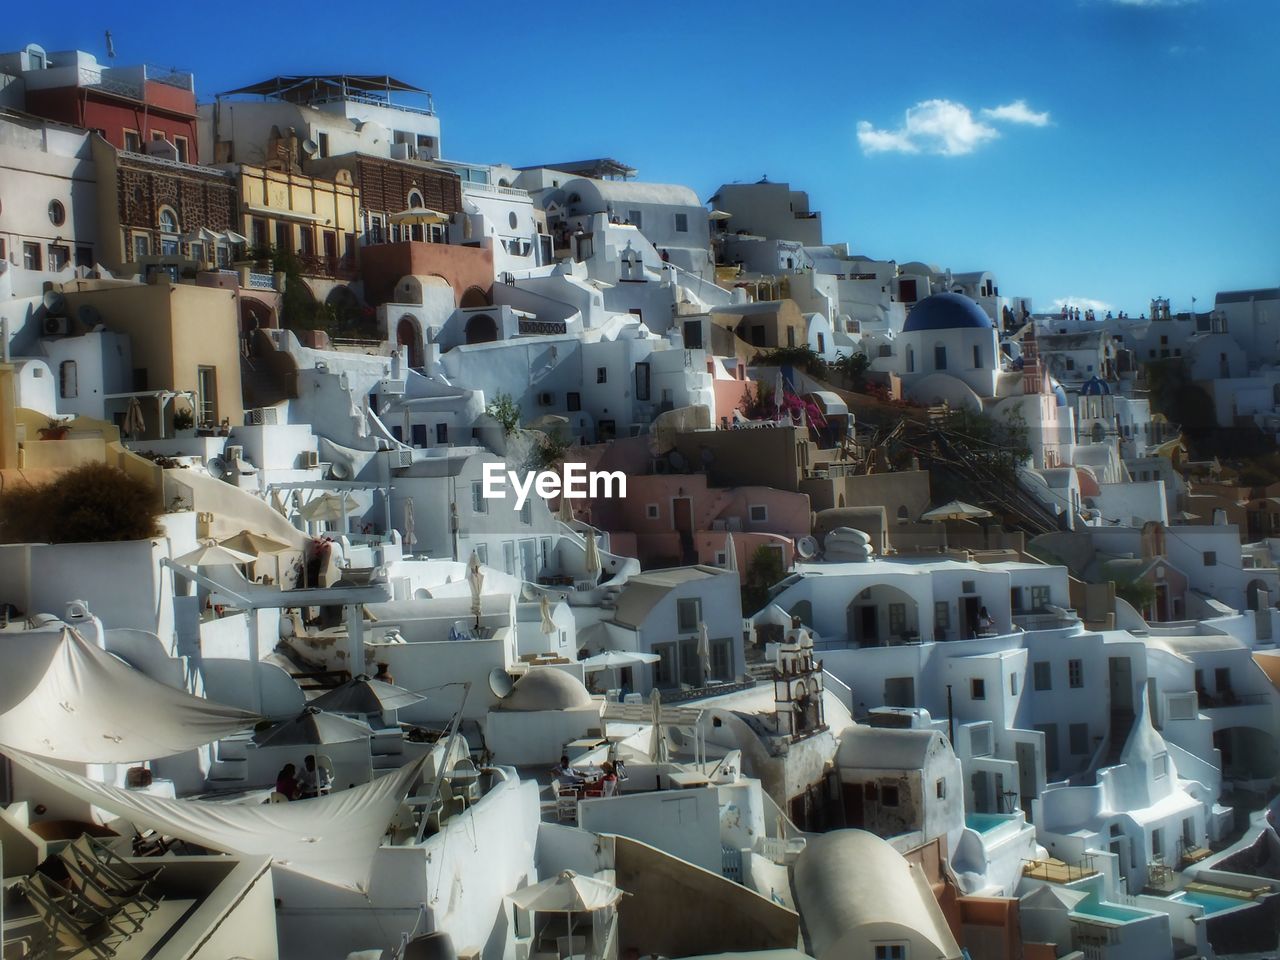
[[977, 356], [415, 200], [682, 223], [526, 513], [132, 142], [509, 556], [1015, 598], [1013, 684], [941, 615], [968, 586], [59, 256], [180, 144], [207, 395], [977, 689], [911, 360], [1043, 671], [822, 344], [651, 511], [67, 380], [1078, 738], [758, 513], [897, 619], [688, 614], [482, 552], [168, 220], [939, 357], [891, 951], [602, 374], [322, 143], [888, 794], [1039, 597], [418, 434], [57, 213], [573, 402], [791, 336], [478, 503], [1210, 558], [1075, 673], [307, 242], [442, 433], [31, 256], [284, 237], [642, 381], [940, 788], [157, 135]]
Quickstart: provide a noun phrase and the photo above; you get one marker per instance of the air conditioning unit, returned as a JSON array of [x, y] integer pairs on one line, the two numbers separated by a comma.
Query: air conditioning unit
[[310, 458], [400, 457], [262, 416], [234, 452], [55, 326], [546, 399]]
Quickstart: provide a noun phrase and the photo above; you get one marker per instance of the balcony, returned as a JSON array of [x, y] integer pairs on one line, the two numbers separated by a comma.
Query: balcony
[[330, 267]]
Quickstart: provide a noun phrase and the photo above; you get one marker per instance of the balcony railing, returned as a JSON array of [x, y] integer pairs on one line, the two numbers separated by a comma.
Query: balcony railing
[[334, 268], [1226, 698]]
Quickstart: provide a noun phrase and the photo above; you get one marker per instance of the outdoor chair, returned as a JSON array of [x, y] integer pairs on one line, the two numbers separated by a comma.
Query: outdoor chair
[[325, 763], [104, 890], [71, 923], [566, 802]]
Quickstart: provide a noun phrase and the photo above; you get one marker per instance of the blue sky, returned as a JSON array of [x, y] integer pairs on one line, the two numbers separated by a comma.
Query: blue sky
[[1128, 150]]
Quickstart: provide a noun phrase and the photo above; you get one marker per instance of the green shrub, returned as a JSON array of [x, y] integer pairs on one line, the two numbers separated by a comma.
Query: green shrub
[[93, 503]]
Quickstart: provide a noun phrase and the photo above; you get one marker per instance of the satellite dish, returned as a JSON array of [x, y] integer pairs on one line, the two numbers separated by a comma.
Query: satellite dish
[[677, 460], [500, 683], [310, 147], [807, 548], [55, 302], [218, 468], [88, 316]]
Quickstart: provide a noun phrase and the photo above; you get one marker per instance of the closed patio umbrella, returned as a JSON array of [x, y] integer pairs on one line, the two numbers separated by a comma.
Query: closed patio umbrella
[[475, 578], [565, 511], [730, 553], [548, 625], [658, 739], [408, 525], [594, 567], [134, 423], [704, 650]]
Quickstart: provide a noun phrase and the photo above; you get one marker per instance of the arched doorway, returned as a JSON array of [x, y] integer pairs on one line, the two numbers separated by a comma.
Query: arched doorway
[[481, 329], [348, 315], [408, 335], [473, 297], [255, 315], [1256, 595]]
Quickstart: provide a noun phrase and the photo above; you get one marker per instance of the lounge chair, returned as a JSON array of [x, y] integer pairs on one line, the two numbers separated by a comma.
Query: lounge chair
[[105, 889], [70, 922]]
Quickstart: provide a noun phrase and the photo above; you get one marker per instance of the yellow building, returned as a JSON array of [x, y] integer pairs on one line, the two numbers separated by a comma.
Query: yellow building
[[184, 340], [318, 220]]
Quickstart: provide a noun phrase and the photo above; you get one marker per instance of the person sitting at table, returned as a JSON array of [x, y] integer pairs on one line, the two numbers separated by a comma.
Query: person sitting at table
[[287, 782], [313, 780], [562, 769]]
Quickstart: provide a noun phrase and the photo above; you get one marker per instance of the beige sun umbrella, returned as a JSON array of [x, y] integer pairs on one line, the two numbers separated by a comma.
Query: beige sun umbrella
[[564, 513], [329, 506], [658, 738], [409, 538], [548, 625], [211, 554], [730, 554], [258, 546], [594, 566], [704, 650], [475, 577], [954, 510], [567, 893], [134, 423]]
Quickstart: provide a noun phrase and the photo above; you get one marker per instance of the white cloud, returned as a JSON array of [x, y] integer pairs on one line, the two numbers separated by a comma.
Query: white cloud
[[1082, 304], [1017, 112], [931, 126], [945, 128]]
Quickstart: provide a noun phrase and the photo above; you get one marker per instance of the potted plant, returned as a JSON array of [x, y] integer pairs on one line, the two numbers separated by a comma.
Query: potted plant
[[183, 421], [54, 430]]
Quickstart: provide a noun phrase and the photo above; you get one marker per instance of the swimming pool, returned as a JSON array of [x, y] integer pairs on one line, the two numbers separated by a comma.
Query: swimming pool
[[1091, 907], [984, 822], [1212, 902]]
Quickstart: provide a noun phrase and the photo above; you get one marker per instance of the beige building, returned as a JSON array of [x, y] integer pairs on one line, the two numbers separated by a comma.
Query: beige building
[[316, 219], [184, 341]]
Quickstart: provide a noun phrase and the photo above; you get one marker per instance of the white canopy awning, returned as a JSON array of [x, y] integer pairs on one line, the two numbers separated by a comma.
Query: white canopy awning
[[332, 838], [80, 704]]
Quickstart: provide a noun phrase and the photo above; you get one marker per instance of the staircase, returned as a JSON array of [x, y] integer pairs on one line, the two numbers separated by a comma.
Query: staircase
[[1121, 726]]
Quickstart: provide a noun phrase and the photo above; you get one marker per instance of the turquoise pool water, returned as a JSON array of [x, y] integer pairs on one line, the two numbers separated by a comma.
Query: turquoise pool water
[[984, 822], [1212, 902], [1091, 907]]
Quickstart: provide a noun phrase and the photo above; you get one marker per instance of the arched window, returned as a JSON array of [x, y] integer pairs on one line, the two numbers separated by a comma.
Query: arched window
[[168, 232], [57, 213], [903, 516], [911, 360], [415, 200], [939, 357]]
